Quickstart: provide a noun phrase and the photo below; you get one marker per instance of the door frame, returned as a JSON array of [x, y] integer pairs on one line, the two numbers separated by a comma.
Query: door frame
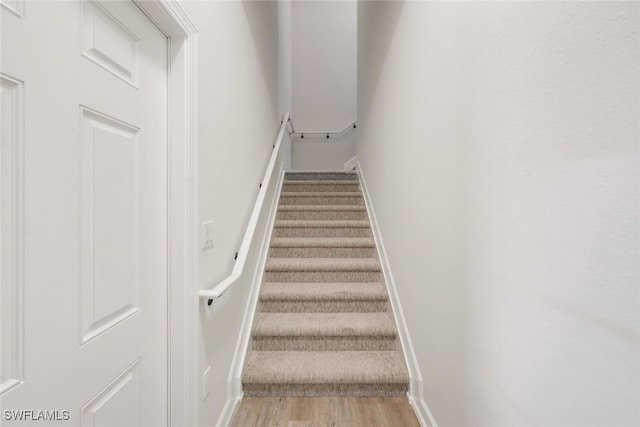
[[182, 193]]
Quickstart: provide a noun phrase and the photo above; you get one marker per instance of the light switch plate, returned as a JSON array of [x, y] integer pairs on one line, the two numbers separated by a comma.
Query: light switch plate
[[207, 235]]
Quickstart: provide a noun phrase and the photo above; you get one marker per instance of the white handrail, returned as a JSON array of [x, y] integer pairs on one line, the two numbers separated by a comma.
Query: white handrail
[[218, 290], [302, 133]]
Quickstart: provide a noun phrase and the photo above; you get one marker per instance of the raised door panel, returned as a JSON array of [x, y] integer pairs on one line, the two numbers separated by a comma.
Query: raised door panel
[[14, 6], [108, 43], [117, 404], [11, 235], [110, 259]]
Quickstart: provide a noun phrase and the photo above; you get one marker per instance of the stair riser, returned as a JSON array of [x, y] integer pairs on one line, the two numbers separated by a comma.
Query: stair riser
[[355, 390], [321, 200], [306, 176], [321, 232], [322, 252], [322, 276], [283, 306], [322, 215], [321, 187], [360, 343]]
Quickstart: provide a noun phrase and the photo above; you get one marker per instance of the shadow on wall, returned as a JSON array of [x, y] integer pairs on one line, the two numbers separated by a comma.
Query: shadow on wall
[[385, 18]]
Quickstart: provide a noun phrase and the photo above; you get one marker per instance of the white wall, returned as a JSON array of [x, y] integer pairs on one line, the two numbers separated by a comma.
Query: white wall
[[285, 69], [285, 56], [323, 79], [319, 153], [499, 141], [324, 64], [238, 123]]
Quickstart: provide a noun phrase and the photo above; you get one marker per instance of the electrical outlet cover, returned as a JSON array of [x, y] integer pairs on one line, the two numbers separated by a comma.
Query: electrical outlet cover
[[207, 235]]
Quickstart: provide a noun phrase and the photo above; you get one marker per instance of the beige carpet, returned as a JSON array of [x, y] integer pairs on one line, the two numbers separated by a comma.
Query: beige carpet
[[323, 326]]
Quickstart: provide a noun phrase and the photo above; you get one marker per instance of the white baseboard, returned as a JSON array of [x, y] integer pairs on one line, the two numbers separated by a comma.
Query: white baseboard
[[415, 394], [227, 412], [234, 382], [425, 418], [351, 164]]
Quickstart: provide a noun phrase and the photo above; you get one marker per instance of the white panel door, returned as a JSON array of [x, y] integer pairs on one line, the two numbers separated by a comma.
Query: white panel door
[[84, 214]]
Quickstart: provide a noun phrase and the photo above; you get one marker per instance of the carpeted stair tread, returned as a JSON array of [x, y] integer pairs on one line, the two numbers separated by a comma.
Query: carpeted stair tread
[[322, 242], [320, 185], [321, 208], [323, 264], [322, 198], [301, 223], [321, 325], [318, 297], [326, 212], [301, 194], [325, 367], [323, 291], [321, 176], [321, 181]]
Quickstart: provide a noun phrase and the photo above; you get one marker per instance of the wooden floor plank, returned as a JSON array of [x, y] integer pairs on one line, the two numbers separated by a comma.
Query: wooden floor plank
[[324, 411]]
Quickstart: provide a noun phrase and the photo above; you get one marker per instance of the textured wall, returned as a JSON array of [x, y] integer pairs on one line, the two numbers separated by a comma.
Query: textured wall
[[323, 80], [324, 64], [285, 68], [318, 153], [499, 141], [238, 123]]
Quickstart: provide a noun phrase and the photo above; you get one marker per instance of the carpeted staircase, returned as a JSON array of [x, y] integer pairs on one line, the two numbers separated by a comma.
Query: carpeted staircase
[[323, 325]]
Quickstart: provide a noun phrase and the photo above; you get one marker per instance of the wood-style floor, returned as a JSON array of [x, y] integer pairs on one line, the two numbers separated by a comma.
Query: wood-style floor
[[324, 411]]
